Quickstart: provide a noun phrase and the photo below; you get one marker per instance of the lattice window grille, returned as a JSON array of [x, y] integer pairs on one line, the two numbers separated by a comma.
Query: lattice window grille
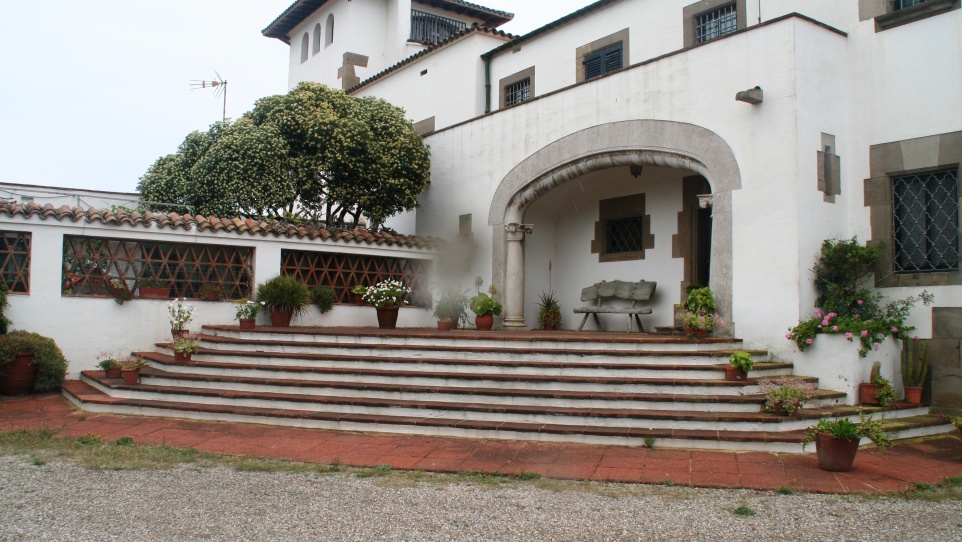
[[516, 93], [926, 221], [716, 23], [89, 263], [624, 235], [343, 271], [15, 261]]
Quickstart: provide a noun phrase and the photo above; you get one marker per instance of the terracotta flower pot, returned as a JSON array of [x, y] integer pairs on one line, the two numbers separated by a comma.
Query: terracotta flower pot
[[357, 299], [447, 325], [913, 395], [548, 328], [181, 358], [866, 394], [20, 375], [387, 317], [281, 318], [178, 333], [834, 454], [734, 374], [779, 408], [113, 372], [484, 322], [697, 333], [148, 292], [130, 377], [247, 323]]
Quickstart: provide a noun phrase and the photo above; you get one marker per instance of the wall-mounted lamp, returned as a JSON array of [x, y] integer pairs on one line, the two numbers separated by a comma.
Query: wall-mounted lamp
[[751, 96], [635, 171]]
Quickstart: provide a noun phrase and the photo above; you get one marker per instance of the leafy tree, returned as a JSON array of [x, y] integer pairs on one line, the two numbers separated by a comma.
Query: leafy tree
[[313, 153]]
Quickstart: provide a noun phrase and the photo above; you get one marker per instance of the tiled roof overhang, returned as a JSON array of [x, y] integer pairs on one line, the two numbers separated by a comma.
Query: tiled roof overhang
[[186, 222]]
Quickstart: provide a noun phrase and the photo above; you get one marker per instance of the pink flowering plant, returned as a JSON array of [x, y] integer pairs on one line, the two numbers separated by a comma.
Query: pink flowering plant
[[847, 307]]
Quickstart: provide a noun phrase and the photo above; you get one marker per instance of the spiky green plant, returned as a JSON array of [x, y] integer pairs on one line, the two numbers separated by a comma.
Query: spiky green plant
[[915, 363]]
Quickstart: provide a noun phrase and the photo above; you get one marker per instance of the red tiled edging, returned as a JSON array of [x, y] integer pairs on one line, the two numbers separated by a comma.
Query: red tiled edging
[[928, 460]]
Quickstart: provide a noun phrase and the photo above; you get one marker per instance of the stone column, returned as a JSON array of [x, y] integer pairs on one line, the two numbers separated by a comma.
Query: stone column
[[514, 275]]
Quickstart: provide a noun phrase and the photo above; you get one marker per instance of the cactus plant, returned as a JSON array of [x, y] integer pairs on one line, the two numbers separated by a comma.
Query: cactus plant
[[915, 363]]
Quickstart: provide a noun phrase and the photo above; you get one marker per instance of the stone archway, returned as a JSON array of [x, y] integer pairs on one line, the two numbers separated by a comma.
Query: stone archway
[[637, 142]]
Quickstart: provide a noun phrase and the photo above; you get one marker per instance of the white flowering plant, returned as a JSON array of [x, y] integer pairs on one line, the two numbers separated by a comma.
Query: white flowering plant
[[387, 293], [180, 313], [247, 309]]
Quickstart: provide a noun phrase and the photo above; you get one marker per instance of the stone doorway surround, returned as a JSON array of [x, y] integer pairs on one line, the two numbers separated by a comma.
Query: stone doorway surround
[[628, 143]]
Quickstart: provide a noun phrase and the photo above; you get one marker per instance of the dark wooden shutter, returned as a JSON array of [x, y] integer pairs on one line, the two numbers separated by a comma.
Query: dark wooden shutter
[[612, 58], [604, 61], [594, 65]]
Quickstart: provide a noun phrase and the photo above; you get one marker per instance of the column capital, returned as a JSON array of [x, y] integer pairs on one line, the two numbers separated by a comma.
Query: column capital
[[514, 227]]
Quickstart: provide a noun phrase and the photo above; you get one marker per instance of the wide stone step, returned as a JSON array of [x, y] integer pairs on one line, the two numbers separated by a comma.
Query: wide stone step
[[470, 339], [91, 399], [528, 380], [463, 352], [478, 410], [711, 367], [505, 395]]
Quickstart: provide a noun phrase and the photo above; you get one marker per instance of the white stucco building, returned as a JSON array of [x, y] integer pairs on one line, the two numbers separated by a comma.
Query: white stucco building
[[598, 133]]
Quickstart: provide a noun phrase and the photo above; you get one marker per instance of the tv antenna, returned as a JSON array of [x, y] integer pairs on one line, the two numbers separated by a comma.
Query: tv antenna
[[219, 86]]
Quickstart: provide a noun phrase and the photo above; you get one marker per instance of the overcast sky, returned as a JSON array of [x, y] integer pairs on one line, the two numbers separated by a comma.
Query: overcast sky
[[93, 91]]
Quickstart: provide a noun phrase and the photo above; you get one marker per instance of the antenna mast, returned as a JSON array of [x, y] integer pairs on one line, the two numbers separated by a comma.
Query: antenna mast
[[219, 86]]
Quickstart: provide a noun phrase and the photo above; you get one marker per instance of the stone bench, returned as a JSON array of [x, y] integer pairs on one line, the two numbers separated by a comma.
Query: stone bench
[[603, 291]]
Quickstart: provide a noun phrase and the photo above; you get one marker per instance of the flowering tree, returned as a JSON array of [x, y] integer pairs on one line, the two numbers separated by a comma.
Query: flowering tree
[[313, 153]]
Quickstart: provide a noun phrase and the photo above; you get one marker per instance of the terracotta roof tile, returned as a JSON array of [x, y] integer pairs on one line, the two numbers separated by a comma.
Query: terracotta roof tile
[[175, 221]]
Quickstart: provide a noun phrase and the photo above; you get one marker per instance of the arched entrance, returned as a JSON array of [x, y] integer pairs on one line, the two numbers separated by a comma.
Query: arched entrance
[[629, 143]]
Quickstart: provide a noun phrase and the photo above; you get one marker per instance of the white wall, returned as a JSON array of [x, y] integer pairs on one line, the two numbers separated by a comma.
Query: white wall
[[698, 87], [451, 91], [84, 327]]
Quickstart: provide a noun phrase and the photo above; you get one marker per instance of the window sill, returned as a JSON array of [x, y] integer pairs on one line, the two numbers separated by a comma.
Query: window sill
[[914, 13]]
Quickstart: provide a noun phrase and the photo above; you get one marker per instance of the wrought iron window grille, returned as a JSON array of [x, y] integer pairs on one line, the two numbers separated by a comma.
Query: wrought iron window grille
[[15, 261], [716, 23], [624, 235], [516, 93], [925, 220]]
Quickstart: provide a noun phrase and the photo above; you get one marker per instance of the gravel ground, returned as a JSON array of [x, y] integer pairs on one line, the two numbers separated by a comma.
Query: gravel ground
[[58, 501]]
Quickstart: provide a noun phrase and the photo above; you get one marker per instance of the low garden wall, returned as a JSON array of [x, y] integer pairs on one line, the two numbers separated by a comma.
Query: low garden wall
[[58, 265]]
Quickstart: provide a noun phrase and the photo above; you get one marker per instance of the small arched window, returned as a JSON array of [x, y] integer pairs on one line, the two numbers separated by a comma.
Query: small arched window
[[329, 34], [305, 46], [317, 39]]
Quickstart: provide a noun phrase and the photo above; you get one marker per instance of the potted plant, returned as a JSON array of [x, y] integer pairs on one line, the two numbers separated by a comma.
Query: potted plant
[[119, 290], [451, 309], [836, 441], [5, 322], [247, 312], [151, 288], [30, 362], [484, 306], [210, 291], [284, 298], [387, 297], [786, 396], [324, 297], [130, 369], [957, 422], [549, 311], [878, 391], [180, 314], [357, 294], [698, 315], [915, 367], [111, 367], [185, 347], [739, 363]]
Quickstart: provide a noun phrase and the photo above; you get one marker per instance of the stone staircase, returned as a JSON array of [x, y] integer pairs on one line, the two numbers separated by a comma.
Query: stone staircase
[[588, 387]]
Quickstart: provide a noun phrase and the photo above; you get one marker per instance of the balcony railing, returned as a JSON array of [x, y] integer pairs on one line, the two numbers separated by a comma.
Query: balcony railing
[[430, 29]]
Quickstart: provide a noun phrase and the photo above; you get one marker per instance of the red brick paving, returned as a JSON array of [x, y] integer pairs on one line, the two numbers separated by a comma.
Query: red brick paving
[[897, 469]]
